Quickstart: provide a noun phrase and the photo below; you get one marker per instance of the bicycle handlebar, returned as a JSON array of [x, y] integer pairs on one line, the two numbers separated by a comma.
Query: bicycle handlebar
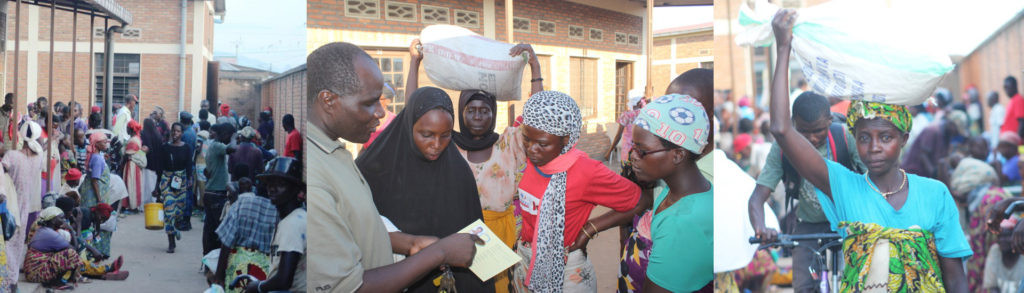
[[785, 238]]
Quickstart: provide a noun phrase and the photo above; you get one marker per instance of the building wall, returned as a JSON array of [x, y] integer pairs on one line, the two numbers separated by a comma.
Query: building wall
[[286, 95], [331, 15], [675, 54], [157, 44], [244, 96], [390, 38], [1001, 56], [733, 66]]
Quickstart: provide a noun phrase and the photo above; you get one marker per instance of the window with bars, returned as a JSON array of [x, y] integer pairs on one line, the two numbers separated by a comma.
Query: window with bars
[[434, 14], [400, 11], [467, 18], [393, 69], [125, 77], [362, 8], [520, 24], [583, 84], [707, 65], [596, 34], [546, 27], [576, 32]]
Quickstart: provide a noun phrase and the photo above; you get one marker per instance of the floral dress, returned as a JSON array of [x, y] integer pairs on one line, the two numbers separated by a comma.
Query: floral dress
[[497, 180]]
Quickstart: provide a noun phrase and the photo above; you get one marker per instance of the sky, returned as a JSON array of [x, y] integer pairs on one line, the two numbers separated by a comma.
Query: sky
[[957, 26], [668, 17], [246, 29]]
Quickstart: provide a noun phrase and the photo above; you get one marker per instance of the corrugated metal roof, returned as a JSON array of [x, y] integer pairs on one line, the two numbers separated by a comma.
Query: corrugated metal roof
[[102, 8]]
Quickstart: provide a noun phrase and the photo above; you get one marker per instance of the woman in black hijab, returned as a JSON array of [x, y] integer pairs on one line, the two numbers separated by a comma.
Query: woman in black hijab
[[420, 182]]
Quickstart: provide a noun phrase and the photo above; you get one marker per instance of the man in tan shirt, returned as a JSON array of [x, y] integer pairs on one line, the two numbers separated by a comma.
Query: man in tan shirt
[[349, 248]]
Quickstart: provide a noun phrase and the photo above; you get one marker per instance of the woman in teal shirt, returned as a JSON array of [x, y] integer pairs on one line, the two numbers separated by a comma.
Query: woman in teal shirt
[[901, 231], [669, 135]]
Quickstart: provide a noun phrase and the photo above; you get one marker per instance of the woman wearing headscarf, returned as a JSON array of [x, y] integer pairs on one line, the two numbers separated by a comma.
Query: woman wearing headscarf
[[420, 182], [496, 160], [97, 183], [151, 141], [24, 165], [676, 252], [557, 193], [176, 157], [976, 183], [51, 259], [901, 231], [247, 155], [133, 171]]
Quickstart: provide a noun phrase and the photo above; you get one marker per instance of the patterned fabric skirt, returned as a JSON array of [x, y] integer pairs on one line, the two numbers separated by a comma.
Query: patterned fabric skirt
[[980, 238], [246, 261], [174, 201], [634, 257], [92, 268], [913, 259], [89, 195], [726, 283], [42, 267], [99, 240], [579, 271]]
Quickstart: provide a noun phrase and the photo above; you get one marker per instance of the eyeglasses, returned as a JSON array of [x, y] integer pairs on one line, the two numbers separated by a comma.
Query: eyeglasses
[[642, 153]]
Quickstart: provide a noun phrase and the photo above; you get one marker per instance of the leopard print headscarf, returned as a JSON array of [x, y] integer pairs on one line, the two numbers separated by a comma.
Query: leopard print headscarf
[[555, 113]]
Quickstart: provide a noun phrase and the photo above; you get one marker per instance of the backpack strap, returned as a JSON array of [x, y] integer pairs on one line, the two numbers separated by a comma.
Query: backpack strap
[[791, 181], [839, 145]]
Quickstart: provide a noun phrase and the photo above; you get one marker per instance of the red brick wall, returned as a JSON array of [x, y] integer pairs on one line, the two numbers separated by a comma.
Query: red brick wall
[[330, 14], [287, 95], [160, 24], [564, 13]]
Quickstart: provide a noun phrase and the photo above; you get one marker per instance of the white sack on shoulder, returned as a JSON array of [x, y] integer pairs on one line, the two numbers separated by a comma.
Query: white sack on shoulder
[[855, 50], [456, 58]]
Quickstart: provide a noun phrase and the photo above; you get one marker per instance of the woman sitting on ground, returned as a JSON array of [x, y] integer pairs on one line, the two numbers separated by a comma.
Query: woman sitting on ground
[[906, 226], [52, 259]]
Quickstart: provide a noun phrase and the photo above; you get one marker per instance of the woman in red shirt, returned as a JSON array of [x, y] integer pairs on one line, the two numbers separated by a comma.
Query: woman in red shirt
[[559, 189]]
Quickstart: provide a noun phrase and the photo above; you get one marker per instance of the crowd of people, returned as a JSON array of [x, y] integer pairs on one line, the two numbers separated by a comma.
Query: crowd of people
[[61, 199], [387, 220], [926, 183]]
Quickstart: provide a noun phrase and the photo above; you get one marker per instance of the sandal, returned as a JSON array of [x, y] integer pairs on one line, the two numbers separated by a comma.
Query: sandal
[[116, 276], [116, 266], [84, 280], [65, 287]]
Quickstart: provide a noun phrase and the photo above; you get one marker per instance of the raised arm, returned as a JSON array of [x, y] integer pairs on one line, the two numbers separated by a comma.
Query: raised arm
[[806, 160], [536, 79], [412, 82]]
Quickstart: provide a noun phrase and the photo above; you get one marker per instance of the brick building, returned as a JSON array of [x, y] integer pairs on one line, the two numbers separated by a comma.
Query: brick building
[[239, 86], [999, 56], [679, 49], [286, 94], [592, 50], [146, 61]]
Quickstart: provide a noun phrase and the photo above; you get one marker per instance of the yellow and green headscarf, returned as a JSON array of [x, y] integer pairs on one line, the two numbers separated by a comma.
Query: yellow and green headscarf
[[899, 115]]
